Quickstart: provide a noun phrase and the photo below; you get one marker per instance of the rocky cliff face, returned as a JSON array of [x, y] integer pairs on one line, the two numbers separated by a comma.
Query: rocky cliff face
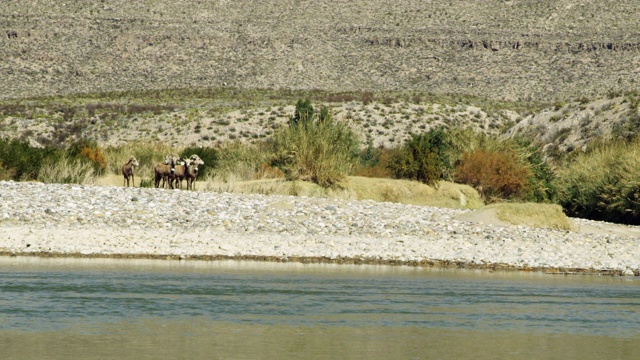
[[514, 50]]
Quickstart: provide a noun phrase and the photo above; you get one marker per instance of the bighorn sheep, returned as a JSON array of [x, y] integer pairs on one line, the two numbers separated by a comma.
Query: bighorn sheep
[[179, 174], [164, 170], [191, 173], [127, 171]]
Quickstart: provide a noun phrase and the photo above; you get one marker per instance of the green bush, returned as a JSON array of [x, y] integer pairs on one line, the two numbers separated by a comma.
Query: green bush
[[542, 187], [420, 158], [374, 162], [23, 162], [322, 151], [303, 113], [603, 183]]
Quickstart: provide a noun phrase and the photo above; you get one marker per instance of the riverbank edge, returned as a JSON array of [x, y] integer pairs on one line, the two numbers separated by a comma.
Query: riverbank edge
[[426, 263]]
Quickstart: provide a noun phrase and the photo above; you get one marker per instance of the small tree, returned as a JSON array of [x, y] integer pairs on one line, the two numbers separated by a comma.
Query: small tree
[[303, 113]]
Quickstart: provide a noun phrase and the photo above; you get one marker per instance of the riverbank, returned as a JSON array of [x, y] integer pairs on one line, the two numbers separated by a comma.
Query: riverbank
[[100, 221]]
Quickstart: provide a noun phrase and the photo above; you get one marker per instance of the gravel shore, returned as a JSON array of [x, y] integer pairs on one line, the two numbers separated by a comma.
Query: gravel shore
[[102, 221]]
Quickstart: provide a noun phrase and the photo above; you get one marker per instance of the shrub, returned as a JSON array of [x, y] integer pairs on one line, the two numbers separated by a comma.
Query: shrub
[[6, 173], [496, 174], [266, 171], [374, 162], [323, 152], [88, 150], [94, 155], [419, 159], [23, 162], [303, 113], [542, 187], [603, 184]]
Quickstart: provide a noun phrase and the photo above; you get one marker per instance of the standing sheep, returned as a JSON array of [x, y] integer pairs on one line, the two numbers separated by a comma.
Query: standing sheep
[[192, 170], [127, 171], [164, 170], [179, 174]]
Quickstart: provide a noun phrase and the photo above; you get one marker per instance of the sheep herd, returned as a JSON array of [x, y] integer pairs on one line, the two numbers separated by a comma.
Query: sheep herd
[[172, 171]]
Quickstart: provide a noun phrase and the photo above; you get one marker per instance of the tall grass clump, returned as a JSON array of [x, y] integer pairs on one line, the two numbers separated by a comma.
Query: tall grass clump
[[68, 170], [318, 149], [603, 183], [237, 161]]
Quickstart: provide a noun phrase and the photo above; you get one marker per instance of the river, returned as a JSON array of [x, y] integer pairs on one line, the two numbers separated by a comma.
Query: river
[[151, 309]]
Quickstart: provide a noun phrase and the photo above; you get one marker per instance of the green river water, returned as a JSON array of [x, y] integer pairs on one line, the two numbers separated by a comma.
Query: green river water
[[151, 309]]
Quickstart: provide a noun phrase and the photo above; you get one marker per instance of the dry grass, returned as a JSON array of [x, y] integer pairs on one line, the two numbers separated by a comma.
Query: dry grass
[[113, 180], [68, 171], [536, 215], [447, 194]]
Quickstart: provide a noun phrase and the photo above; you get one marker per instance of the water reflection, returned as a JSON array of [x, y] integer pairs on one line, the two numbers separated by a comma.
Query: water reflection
[[98, 308]]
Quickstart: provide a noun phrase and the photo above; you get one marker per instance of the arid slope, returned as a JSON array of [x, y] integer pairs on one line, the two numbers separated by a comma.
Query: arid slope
[[514, 50]]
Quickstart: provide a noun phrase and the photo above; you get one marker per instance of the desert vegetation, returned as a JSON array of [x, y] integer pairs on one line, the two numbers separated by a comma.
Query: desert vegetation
[[315, 153]]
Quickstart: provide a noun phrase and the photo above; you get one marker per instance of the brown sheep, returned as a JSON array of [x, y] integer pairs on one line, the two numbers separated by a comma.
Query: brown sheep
[[192, 170], [164, 170], [179, 174], [127, 171]]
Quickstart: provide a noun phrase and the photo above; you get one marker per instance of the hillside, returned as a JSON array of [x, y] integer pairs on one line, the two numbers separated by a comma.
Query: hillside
[[502, 50]]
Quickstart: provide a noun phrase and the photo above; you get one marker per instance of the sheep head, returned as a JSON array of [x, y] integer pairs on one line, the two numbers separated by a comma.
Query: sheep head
[[195, 159], [171, 159], [133, 161]]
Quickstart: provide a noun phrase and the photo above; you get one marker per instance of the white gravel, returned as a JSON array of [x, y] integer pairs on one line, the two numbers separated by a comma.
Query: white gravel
[[75, 220]]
